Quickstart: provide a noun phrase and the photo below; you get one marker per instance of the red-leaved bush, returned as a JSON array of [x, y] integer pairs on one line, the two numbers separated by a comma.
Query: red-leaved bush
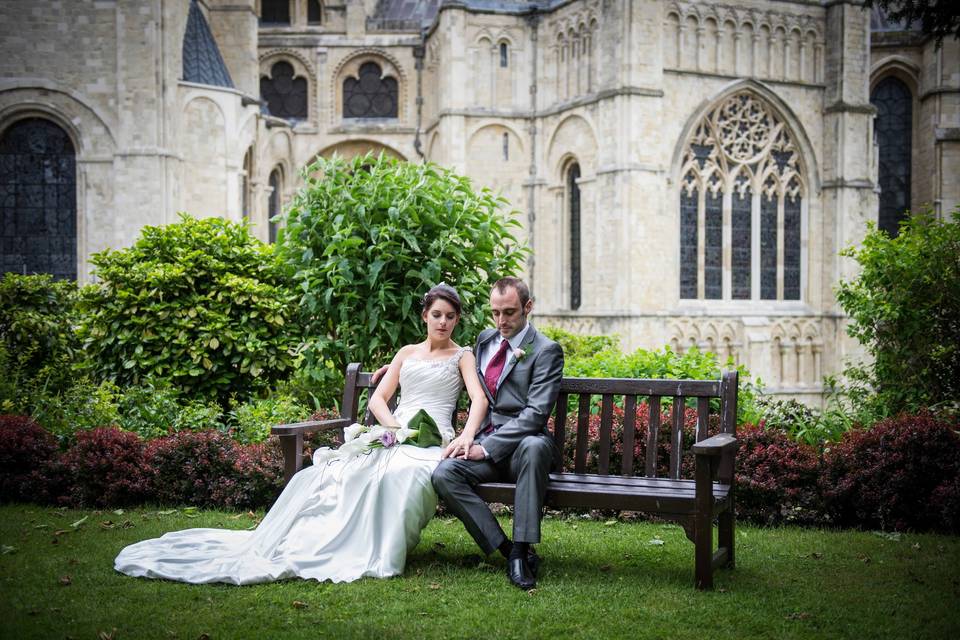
[[642, 426], [104, 468], [191, 467], [776, 478], [257, 477], [208, 469], [900, 474], [25, 449]]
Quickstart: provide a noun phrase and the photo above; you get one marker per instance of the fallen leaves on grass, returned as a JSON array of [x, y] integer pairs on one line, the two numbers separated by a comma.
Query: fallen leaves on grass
[[6, 550], [79, 523], [107, 635], [656, 542], [65, 581], [299, 604], [797, 615]]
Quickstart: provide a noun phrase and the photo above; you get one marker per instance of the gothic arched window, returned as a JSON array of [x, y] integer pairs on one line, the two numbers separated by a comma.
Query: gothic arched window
[[314, 12], [741, 171], [273, 204], [370, 95], [894, 129], [286, 95], [38, 200], [573, 199], [275, 12]]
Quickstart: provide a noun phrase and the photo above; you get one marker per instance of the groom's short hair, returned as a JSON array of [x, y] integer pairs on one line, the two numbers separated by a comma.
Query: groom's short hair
[[523, 291]]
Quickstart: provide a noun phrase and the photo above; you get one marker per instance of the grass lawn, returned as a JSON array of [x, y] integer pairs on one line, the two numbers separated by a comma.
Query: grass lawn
[[599, 580]]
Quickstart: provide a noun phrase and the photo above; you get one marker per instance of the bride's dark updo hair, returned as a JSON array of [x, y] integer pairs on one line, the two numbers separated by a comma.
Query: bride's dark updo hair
[[442, 291]]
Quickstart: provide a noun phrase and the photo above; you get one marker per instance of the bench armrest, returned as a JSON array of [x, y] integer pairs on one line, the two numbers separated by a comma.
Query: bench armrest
[[716, 445], [310, 426]]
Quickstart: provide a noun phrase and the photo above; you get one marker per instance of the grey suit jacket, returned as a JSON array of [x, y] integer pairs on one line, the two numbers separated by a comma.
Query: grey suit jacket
[[527, 392]]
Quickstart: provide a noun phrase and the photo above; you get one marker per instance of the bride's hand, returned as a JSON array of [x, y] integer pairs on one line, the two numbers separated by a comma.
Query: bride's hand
[[457, 447]]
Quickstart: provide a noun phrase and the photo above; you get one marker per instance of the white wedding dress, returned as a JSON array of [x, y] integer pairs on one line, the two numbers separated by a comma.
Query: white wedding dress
[[339, 520]]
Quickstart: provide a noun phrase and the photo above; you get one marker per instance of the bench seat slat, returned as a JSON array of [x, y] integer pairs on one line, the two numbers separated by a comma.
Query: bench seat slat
[[605, 496]]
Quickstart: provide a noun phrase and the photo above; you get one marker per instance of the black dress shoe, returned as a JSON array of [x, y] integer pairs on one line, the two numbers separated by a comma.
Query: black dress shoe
[[533, 561], [518, 570]]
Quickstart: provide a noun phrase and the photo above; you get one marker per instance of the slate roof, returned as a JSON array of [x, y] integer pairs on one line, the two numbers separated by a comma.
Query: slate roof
[[202, 62]]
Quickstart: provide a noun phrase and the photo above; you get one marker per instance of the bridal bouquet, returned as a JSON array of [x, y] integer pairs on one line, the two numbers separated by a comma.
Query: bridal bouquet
[[360, 439]]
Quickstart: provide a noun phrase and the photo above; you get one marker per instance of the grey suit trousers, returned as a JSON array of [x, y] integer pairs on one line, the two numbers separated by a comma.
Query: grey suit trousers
[[528, 468]]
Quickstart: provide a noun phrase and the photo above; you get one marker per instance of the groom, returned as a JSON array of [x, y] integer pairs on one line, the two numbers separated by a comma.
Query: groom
[[521, 371]]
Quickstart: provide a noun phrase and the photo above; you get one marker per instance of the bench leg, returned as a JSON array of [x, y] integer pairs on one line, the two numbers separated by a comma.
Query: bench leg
[[292, 447], [703, 526], [727, 529]]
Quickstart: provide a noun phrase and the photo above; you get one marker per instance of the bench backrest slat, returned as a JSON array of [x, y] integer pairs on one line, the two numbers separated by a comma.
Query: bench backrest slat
[[629, 433], [703, 418], [560, 420], [652, 436], [583, 431], [606, 426], [676, 436]]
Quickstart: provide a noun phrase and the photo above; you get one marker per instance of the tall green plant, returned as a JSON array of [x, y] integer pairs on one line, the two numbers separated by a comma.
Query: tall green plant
[[366, 238], [904, 307], [37, 339], [200, 303]]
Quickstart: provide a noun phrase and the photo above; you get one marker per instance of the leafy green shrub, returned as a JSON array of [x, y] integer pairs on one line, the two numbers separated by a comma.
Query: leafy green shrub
[[200, 303], [38, 346], [80, 407], [370, 236], [904, 307], [608, 361], [802, 423], [575, 346], [252, 421], [154, 408]]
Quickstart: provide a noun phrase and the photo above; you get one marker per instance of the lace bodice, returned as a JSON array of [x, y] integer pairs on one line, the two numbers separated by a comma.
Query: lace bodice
[[432, 385]]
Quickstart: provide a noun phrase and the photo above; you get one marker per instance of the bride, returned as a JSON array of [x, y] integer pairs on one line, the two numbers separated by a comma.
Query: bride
[[345, 517]]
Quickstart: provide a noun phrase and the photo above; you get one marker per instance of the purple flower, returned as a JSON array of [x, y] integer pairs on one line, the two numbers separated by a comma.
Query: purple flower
[[388, 439]]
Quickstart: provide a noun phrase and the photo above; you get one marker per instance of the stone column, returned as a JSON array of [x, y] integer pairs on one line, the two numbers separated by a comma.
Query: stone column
[[849, 200]]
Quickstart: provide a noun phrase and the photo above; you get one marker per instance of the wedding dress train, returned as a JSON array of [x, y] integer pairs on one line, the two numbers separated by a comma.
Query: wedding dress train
[[338, 520]]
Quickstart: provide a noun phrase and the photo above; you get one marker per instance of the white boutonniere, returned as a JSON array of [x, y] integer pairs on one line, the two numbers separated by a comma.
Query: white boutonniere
[[519, 354]]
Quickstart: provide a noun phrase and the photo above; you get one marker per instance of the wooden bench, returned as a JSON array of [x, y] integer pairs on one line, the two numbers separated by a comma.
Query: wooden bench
[[693, 503]]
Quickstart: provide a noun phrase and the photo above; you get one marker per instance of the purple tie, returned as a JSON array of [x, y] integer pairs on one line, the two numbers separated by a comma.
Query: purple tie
[[495, 367]]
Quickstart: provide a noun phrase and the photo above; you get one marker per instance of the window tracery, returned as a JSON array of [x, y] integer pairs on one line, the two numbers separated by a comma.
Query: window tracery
[[741, 205], [371, 94], [284, 92]]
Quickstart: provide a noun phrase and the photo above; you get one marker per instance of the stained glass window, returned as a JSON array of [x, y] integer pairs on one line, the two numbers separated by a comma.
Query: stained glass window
[[371, 95], [274, 11], [286, 95], [38, 202], [688, 244], [741, 146], [894, 129], [314, 14], [768, 247], [713, 247], [573, 191], [742, 238]]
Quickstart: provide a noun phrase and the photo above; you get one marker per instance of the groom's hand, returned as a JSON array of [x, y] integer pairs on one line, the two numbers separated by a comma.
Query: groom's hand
[[375, 378], [457, 447]]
